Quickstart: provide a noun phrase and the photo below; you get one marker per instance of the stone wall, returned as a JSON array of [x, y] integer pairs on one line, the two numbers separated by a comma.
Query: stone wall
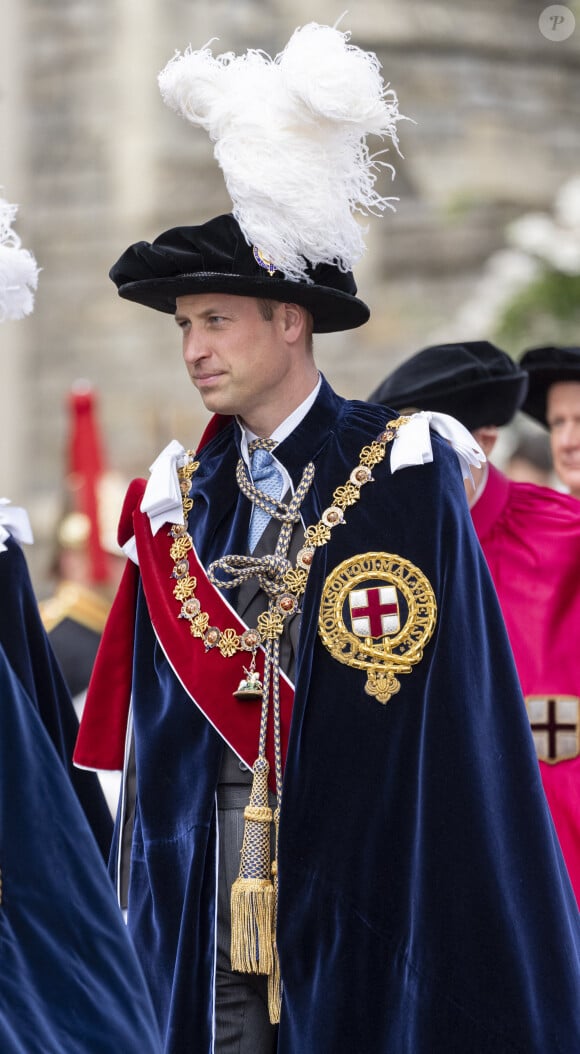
[[97, 162]]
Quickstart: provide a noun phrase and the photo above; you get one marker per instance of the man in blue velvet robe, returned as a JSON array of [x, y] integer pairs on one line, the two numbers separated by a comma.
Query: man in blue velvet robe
[[422, 902]]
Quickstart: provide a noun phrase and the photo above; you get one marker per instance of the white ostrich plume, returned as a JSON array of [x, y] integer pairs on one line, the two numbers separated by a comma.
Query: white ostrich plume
[[18, 270], [290, 137]]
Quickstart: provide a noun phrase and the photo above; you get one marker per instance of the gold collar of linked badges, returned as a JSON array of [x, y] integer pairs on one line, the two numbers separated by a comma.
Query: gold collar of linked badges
[[270, 624]]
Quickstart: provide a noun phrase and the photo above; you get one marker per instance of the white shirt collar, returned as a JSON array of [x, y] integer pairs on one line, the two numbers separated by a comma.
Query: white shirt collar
[[285, 428]]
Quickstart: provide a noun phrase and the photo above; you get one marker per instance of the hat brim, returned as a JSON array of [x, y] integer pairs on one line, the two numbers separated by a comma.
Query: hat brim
[[491, 401], [331, 309]]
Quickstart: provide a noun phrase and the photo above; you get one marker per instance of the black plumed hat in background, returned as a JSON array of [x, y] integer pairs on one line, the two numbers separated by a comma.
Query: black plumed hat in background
[[546, 366], [475, 382]]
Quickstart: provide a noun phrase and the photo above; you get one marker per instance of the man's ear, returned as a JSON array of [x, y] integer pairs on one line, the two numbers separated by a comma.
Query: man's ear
[[294, 320], [486, 437]]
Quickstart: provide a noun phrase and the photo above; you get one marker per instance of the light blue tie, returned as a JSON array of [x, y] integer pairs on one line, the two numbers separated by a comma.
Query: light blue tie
[[266, 477]]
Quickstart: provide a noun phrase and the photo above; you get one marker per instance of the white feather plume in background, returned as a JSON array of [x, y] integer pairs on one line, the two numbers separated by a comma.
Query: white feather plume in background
[[290, 137], [18, 269]]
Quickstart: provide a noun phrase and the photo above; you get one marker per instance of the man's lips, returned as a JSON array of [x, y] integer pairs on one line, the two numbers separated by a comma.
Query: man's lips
[[206, 378]]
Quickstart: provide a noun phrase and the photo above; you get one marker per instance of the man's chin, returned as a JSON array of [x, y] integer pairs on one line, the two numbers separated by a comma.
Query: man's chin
[[215, 404]]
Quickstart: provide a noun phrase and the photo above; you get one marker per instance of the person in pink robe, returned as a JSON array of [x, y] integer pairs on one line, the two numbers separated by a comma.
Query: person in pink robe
[[530, 536]]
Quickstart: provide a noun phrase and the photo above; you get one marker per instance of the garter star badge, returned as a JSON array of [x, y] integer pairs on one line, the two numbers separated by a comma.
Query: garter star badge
[[377, 613]]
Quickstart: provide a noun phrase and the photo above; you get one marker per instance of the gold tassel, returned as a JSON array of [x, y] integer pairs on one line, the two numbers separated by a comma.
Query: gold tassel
[[274, 988], [274, 979], [252, 899]]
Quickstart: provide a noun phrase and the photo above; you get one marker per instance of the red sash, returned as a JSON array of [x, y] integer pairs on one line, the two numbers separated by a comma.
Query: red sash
[[207, 677]]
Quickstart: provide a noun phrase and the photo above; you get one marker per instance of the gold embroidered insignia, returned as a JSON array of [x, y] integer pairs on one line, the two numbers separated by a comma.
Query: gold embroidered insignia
[[377, 613], [555, 724]]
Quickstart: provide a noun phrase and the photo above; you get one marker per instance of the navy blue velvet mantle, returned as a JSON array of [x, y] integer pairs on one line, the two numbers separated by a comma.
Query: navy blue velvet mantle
[[30, 655], [424, 907]]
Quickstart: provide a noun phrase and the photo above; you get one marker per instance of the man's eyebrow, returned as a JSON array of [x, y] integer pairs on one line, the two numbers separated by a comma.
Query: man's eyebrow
[[206, 313]]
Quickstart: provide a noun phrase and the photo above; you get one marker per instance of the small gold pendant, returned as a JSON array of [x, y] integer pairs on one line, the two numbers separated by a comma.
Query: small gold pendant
[[250, 687]]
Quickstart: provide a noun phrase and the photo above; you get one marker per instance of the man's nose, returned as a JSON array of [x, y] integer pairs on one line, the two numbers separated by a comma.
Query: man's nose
[[194, 347]]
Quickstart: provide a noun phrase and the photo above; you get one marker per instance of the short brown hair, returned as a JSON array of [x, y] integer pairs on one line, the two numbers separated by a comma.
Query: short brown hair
[[266, 309]]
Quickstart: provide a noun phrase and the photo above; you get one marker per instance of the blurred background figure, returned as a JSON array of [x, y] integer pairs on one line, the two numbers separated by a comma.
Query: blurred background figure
[[69, 975], [87, 562], [530, 460], [553, 399], [530, 536]]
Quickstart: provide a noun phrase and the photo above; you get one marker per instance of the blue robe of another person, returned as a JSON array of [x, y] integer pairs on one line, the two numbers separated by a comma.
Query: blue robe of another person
[[70, 980], [30, 655]]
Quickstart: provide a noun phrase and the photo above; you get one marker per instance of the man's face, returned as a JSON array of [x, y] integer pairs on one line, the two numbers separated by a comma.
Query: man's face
[[239, 362], [563, 416]]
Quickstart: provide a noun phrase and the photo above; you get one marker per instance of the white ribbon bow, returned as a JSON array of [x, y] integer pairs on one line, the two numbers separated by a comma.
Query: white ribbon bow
[[162, 500], [412, 444], [14, 522]]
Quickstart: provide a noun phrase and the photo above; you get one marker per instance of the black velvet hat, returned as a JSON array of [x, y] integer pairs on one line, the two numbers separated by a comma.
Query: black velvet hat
[[547, 366], [216, 258], [474, 382]]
